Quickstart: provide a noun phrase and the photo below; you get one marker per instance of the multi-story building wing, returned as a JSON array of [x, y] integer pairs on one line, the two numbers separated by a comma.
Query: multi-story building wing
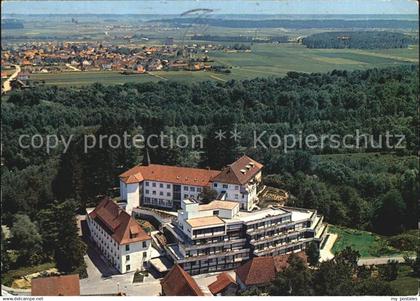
[[121, 240], [239, 181], [164, 187], [218, 236]]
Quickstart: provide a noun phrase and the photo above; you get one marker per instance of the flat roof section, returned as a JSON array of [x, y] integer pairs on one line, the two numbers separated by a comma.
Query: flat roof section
[[214, 205], [205, 221], [259, 214]]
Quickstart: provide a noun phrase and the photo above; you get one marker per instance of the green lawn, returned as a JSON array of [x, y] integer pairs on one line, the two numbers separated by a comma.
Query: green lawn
[[406, 284], [8, 277], [368, 244], [264, 60]]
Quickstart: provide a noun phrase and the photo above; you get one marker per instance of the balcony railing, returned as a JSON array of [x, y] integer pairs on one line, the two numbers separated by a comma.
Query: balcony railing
[[215, 255], [270, 227], [267, 239], [291, 244]]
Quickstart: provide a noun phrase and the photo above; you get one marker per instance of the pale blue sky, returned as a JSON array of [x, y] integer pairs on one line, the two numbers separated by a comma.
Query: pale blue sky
[[222, 7]]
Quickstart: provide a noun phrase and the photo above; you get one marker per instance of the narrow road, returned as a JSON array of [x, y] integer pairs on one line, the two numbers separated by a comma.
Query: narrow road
[[6, 87], [218, 78], [326, 253], [72, 67], [381, 260], [158, 76]]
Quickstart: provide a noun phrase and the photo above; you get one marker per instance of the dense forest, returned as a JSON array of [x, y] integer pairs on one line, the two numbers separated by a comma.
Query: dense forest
[[358, 39], [296, 24], [242, 39], [370, 188]]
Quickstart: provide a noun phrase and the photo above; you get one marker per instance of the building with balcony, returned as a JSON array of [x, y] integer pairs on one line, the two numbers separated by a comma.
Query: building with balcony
[[218, 236], [161, 186], [121, 240]]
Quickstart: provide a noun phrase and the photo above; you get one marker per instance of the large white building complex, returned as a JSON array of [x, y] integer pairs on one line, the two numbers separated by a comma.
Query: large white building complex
[[218, 236], [200, 237]]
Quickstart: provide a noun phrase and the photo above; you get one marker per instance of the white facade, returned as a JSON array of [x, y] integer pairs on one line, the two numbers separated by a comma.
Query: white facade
[[245, 195], [131, 194], [124, 257], [155, 193]]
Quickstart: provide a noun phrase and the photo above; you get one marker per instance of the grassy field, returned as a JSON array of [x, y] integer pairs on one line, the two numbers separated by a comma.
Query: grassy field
[[264, 60], [8, 277], [368, 244], [406, 283]]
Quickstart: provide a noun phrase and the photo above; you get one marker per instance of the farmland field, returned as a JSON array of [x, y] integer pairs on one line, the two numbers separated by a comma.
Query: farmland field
[[264, 60]]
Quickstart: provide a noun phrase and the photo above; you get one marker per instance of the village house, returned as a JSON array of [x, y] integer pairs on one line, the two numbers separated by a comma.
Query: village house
[[179, 283], [65, 285], [224, 285], [260, 271]]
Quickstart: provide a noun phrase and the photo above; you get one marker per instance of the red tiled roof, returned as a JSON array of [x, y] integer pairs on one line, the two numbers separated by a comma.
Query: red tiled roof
[[120, 225], [239, 172], [179, 283], [261, 270], [169, 174], [67, 285], [222, 282], [256, 271]]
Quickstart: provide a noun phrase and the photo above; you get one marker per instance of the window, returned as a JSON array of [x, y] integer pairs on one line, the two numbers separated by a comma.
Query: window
[[168, 194], [144, 244], [147, 183], [161, 192], [147, 191], [237, 187], [192, 188], [215, 184], [154, 184], [127, 267], [225, 186], [127, 247], [185, 196], [168, 186], [236, 196], [154, 192], [185, 187], [198, 189], [161, 185], [127, 257], [216, 212], [144, 254]]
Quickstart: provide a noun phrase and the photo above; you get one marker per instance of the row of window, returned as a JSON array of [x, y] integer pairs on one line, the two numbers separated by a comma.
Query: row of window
[[161, 185], [168, 186], [226, 186], [158, 202], [101, 230], [192, 188], [147, 191]]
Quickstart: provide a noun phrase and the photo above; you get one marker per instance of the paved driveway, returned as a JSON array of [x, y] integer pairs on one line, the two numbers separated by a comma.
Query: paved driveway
[[103, 279]]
